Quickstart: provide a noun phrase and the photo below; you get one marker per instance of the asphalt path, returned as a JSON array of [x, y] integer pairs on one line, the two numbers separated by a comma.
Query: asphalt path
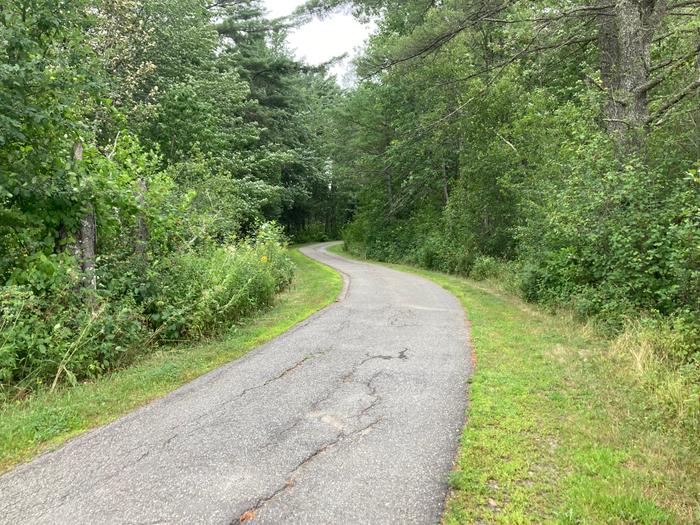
[[353, 416]]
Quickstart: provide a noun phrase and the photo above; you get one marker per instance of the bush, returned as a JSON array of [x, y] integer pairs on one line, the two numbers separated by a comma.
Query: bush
[[49, 333], [46, 338], [485, 268], [615, 242], [200, 294], [314, 232]]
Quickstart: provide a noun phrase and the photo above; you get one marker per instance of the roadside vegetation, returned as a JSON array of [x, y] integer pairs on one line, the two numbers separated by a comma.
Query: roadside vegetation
[[552, 147], [562, 425], [155, 156], [45, 419], [49, 340]]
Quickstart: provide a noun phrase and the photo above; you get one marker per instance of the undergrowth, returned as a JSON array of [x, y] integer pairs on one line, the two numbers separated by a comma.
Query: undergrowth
[[566, 425], [45, 419], [50, 334]]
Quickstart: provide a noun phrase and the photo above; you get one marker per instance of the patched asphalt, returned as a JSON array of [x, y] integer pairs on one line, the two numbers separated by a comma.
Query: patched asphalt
[[353, 416]]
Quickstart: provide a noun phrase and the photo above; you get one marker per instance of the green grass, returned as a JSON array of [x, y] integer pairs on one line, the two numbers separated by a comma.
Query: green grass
[[558, 429], [46, 420]]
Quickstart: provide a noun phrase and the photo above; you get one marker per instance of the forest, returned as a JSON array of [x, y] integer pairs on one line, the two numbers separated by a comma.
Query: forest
[[551, 147], [157, 156]]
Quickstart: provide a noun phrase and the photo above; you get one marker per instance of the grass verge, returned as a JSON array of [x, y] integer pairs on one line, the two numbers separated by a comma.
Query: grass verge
[[559, 430], [46, 420]]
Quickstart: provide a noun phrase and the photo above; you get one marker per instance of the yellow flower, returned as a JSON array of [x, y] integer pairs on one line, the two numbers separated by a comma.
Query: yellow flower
[[264, 258]]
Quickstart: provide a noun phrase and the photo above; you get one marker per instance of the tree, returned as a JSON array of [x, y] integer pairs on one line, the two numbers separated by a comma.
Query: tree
[[49, 82], [557, 136], [142, 155], [629, 33]]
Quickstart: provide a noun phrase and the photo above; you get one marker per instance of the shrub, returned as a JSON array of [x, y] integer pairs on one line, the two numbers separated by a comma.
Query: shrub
[[202, 293], [615, 242], [44, 339], [485, 267], [49, 333], [314, 232]]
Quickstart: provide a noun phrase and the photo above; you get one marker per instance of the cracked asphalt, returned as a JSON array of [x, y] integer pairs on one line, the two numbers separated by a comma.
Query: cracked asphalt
[[353, 416]]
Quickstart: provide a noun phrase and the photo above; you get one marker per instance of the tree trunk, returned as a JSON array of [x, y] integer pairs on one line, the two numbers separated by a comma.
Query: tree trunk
[[609, 58], [389, 186], [387, 169], [625, 34], [142, 235], [88, 242], [445, 183], [635, 63], [86, 237]]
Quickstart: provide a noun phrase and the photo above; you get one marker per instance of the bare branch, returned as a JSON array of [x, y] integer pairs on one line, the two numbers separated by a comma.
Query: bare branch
[[588, 10], [690, 3], [444, 38], [674, 65], [658, 115]]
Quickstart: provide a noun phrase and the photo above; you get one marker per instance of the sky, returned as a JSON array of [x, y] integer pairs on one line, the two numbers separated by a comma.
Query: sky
[[321, 40]]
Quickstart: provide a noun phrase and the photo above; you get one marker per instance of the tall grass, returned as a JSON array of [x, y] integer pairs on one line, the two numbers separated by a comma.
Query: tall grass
[[54, 336], [658, 355]]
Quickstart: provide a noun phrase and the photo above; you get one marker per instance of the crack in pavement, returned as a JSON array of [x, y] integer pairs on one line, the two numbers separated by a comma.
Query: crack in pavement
[[372, 392], [402, 356], [250, 513], [340, 437], [277, 436], [58, 502], [162, 446], [285, 372], [345, 379]]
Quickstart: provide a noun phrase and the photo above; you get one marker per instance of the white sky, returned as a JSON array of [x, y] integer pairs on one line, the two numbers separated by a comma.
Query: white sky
[[321, 40]]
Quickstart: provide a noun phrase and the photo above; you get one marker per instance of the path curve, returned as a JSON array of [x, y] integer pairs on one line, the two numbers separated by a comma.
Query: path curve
[[351, 417]]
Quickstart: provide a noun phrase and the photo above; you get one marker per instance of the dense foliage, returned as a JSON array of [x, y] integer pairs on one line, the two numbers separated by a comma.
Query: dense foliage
[[145, 148], [552, 144], [184, 296]]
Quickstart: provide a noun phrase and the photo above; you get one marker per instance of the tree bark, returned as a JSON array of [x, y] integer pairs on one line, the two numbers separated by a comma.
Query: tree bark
[[88, 242], [387, 169], [142, 235], [445, 183], [625, 35], [389, 186], [86, 236]]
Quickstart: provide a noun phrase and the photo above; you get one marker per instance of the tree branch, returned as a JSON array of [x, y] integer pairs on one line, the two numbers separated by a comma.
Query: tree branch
[[658, 115]]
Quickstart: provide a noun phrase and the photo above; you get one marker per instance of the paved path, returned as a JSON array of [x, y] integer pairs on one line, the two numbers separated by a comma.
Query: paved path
[[351, 417]]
